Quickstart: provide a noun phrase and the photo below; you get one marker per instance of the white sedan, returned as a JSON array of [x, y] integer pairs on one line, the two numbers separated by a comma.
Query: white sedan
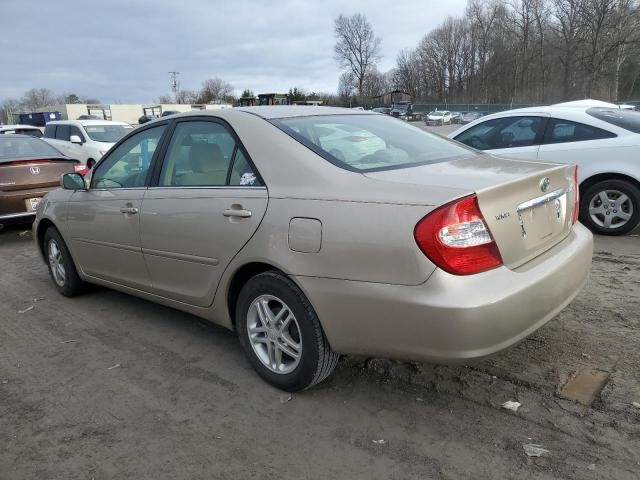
[[603, 142], [439, 117]]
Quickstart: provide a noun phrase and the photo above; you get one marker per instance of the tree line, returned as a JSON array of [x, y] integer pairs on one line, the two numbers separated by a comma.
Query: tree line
[[504, 51]]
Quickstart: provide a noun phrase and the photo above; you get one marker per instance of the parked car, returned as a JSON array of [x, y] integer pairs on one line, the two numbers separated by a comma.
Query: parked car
[[402, 110], [439, 117], [428, 250], [456, 116], [385, 110], [166, 113], [85, 140], [21, 129], [603, 142], [470, 117], [89, 117], [29, 168]]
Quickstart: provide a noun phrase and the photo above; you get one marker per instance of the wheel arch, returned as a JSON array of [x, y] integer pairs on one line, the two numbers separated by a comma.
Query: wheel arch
[[238, 280], [43, 225], [600, 177]]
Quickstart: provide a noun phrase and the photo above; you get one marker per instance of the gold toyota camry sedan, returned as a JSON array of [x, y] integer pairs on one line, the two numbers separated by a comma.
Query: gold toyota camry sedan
[[314, 232]]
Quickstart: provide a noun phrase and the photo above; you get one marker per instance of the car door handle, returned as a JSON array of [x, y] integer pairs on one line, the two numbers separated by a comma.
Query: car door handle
[[232, 212], [129, 210]]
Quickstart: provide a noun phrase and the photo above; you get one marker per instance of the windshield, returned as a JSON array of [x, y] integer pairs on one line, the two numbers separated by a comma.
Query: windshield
[[627, 119], [370, 142], [18, 148], [435, 114], [107, 133]]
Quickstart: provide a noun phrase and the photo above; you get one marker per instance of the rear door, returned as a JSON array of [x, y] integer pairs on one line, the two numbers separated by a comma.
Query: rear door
[[566, 141], [514, 136], [103, 222], [206, 203]]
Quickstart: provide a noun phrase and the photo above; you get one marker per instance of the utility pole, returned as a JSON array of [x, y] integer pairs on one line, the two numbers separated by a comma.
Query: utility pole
[[174, 84]]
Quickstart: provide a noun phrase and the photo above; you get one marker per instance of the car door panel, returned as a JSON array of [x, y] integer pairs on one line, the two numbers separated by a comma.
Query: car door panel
[[103, 222], [105, 240], [187, 240], [205, 206]]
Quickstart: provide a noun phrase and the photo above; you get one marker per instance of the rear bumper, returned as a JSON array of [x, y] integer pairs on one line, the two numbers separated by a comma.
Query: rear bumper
[[13, 206], [451, 318]]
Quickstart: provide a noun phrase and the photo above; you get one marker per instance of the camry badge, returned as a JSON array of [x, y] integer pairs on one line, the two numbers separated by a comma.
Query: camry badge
[[34, 170], [544, 184]]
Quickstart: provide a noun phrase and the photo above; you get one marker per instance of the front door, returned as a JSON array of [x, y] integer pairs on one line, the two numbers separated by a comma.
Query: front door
[[510, 136], [207, 202], [103, 222]]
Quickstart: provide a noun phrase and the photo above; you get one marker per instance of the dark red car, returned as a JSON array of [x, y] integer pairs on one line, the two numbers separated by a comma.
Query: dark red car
[[29, 168]]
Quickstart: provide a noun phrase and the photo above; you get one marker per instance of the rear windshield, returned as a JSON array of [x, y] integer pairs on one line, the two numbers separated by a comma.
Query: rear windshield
[[107, 133], [627, 119], [18, 148], [370, 142]]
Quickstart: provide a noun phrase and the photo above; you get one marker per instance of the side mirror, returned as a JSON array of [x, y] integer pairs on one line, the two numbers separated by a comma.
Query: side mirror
[[75, 139], [72, 181]]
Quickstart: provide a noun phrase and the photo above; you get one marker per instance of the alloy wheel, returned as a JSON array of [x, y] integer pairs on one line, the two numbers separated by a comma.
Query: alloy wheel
[[610, 209], [274, 334], [56, 263]]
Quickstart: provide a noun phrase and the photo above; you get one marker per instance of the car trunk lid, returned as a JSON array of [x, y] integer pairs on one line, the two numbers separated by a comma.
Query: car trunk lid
[[527, 206], [32, 173]]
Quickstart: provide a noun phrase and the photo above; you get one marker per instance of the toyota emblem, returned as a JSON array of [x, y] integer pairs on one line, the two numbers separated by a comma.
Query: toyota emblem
[[34, 170], [544, 184]]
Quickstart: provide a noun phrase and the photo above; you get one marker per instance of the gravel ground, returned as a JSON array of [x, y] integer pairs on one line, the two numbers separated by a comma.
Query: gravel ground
[[109, 386]]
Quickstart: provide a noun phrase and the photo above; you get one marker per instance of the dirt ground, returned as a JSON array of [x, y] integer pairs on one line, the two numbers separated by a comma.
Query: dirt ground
[[108, 386]]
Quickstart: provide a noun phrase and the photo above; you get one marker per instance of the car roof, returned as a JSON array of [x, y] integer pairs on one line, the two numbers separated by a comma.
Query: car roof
[[13, 127], [86, 123], [287, 111]]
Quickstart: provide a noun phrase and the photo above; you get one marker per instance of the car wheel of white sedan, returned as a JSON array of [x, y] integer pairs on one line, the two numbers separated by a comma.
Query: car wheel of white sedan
[[281, 334], [61, 267], [611, 207]]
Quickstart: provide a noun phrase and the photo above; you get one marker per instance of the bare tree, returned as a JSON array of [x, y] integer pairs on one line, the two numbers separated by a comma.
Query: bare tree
[[37, 98], [357, 48], [215, 89], [346, 87]]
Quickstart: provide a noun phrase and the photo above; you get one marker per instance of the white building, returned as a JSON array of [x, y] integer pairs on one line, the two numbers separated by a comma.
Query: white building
[[129, 113]]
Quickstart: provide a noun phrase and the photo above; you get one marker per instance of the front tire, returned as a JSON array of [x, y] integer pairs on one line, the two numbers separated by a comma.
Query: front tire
[[61, 267], [611, 207], [281, 334]]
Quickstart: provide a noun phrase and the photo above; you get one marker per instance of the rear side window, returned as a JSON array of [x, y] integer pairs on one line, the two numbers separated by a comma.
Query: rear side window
[[62, 132], [505, 132], [563, 131], [50, 130], [366, 143], [627, 119]]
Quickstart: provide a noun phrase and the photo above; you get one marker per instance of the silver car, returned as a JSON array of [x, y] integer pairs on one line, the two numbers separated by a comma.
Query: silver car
[[266, 221]]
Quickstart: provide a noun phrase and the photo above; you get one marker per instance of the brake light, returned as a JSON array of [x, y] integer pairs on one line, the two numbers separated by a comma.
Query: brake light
[[81, 169], [576, 205], [456, 238]]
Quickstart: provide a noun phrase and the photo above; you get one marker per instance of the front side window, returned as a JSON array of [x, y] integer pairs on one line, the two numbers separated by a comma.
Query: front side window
[[369, 142], [506, 132], [62, 132], [76, 131], [128, 164], [563, 131], [205, 154]]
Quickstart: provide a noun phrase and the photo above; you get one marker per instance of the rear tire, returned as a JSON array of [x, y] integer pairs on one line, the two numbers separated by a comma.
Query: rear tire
[[61, 267], [289, 350], [611, 207]]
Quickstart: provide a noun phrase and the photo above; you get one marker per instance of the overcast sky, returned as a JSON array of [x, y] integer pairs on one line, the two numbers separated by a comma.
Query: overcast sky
[[121, 50]]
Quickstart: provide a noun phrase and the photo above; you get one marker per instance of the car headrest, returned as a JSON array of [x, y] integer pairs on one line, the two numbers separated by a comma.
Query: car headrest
[[205, 157]]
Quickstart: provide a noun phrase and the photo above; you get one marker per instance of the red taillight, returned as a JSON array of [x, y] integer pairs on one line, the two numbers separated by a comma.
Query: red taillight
[[576, 206], [80, 168], [456, 238]]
